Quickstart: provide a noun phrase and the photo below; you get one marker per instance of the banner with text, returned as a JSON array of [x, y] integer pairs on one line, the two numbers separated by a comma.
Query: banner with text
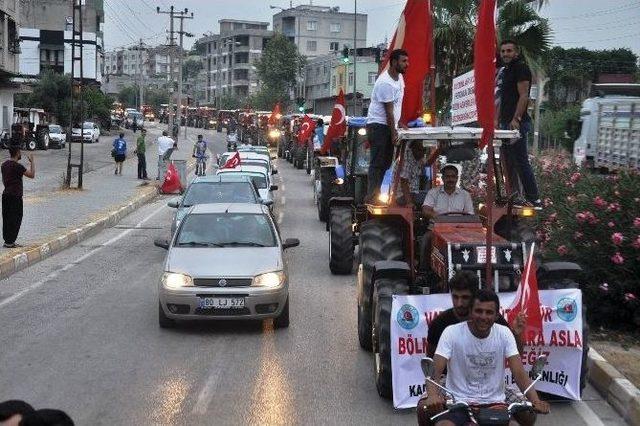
[[561, 341], [463, 100]]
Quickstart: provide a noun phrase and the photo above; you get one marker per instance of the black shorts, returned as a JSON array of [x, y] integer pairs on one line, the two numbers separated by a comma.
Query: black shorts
[[119, 158], [381, 145]]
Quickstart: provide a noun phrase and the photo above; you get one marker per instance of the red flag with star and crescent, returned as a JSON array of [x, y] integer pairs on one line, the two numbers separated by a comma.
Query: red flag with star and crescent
[[484, 68], [307, 127], [273, 118], [338, 125], [414, 34], [232, 162], [527, 299]]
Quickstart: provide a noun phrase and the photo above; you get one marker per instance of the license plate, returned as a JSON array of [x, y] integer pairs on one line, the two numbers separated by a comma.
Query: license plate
[[222, 303], [481, 254]]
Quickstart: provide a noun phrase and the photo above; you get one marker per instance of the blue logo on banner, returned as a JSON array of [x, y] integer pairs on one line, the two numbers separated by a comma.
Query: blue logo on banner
[[567, 309], [408, 317]]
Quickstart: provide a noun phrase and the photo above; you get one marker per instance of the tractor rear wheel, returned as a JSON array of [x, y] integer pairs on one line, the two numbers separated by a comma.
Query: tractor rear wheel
[[301, 154], [309, 161], [324, 193], [378, 241], [383, 291], [340, 240]]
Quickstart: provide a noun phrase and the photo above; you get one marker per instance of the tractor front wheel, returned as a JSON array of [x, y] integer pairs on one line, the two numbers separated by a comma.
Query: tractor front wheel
[[340, 241]]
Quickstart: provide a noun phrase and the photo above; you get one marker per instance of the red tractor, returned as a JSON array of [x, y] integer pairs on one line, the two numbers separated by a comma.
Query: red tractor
[[389, 247]]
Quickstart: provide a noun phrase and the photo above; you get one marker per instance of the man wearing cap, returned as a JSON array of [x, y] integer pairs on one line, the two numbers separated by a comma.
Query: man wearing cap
[[443, 199]]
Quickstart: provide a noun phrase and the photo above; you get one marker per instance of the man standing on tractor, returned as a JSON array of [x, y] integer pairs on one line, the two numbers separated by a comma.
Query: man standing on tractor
[[413, 168], [514, 99], [383, 119], [441, 200]]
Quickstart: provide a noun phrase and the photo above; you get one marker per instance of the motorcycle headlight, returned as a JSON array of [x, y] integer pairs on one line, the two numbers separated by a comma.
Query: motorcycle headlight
[[176, 281], [270, 279]]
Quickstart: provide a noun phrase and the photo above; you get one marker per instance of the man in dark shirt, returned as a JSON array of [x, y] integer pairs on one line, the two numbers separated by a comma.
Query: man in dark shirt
[[514, 99], [12, 172]]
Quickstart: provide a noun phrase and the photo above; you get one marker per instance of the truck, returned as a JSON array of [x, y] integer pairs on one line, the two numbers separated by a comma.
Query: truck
[[610, 134]]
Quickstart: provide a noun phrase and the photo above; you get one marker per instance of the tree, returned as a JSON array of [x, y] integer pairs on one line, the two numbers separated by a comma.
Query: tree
[[128, 95], [455, 28], [199, 48], [229, 101], [279, 67], [155, 97], [191, 67], [561, 127]]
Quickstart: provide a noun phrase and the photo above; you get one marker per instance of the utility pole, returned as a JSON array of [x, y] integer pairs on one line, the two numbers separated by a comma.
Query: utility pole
[[355, 57], [171, 46], [140, 79], [77, 43], [182, 15]]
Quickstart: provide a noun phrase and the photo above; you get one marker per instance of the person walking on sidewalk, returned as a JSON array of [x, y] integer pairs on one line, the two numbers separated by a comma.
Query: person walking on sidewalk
[[514, 99], [141, 151], [383, 119], [166, 145], [12, 172], [119, 152]]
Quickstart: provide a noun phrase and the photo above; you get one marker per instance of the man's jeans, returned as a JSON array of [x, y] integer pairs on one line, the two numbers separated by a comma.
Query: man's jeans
[[381, 155], [517, 161], [162, 167]]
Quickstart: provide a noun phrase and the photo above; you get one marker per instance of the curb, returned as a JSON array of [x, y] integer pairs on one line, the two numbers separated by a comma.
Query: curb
[[623, 396], [35, 254]]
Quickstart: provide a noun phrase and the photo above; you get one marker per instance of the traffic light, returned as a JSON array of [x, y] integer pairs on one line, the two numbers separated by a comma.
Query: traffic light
[[345, 55], [300, 103]]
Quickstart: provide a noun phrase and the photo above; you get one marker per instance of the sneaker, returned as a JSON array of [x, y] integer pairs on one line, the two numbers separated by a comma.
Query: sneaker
[[116, 172], [12, 245]]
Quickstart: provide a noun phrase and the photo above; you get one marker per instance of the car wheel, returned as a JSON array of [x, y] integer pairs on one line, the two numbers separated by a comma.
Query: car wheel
[[163, 320], [283, 320], [32, 145]]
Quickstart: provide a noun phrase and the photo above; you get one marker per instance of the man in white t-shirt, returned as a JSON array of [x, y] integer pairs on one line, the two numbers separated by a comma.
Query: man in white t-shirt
[[383, 118], [166, 145], [474, 354]]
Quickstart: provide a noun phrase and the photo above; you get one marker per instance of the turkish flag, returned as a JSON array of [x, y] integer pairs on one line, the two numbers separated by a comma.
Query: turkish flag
[[484, 68], [527, 298], [232, 162], [306, 129], [338, 125], [414, 34], [171, 183], [273, 118]]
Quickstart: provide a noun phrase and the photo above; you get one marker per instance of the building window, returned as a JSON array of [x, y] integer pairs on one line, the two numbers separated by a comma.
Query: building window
[[341, 79], [333, 82], [335, 27], [334, 46], [312, 26], [350, 79], [371, 79], [312, 45], [317, 71], [324, 70]]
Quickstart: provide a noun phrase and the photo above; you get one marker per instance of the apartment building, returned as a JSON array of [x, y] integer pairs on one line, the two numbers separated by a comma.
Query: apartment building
[[9, 56], [151, 61]]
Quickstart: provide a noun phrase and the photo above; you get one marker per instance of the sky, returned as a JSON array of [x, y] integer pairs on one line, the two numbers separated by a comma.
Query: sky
[[594, 24]]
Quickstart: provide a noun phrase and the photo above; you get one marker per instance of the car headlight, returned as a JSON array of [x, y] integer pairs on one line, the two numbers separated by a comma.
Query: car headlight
[[176, 281], [270, 279]]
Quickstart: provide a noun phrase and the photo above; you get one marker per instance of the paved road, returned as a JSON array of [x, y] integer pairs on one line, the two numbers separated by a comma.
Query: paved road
[[79, 332]]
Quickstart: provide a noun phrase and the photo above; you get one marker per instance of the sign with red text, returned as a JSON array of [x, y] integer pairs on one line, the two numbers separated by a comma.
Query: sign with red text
[[561, 340], [463, 100]]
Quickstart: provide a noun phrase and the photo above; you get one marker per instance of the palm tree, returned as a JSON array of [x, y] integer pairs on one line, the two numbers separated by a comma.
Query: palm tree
[[455, 27]]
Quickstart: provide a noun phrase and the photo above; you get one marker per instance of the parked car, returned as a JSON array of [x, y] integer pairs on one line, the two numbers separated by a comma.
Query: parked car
[[225, 261], [57, 136], [90, 132], [260, 177], [226, 188]]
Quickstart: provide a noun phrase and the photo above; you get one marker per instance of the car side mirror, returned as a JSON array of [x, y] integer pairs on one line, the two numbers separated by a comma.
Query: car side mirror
[[159, 242], [173, 204], [274, 171], [273, 188], [290, 242], [267, 203]]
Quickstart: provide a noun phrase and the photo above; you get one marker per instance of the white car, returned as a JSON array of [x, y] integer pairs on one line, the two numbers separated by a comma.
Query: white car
[[260, 177], [57, 136], [90, 132]]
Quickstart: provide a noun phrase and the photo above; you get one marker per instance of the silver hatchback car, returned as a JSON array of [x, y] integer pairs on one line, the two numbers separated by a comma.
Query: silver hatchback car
[[225, 261]]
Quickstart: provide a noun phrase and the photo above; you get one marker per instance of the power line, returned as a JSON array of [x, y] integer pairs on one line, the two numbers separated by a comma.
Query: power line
[[123, 27], [135, 15], [623, 22]]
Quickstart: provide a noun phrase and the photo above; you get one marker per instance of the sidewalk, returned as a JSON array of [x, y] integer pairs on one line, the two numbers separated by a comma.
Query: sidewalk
[[59, 218]]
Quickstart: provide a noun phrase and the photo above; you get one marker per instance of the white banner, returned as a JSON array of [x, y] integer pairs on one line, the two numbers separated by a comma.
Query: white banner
[[561, 340], [463, 100]]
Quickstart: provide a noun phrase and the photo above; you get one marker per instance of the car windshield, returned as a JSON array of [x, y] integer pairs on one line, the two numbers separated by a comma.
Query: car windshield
[[258, 179], [87, 126], [226, 230], [55, 129], [215, 192]]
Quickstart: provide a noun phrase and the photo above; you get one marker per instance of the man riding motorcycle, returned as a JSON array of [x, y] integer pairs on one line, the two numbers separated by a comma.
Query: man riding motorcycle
[[473, 352]]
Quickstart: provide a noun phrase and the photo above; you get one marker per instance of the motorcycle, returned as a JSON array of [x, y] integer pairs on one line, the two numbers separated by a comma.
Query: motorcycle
[[232, 142], [494, 415]]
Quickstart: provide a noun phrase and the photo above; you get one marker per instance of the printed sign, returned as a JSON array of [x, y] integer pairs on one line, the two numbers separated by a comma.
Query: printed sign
[[463, 100], [561, 341]]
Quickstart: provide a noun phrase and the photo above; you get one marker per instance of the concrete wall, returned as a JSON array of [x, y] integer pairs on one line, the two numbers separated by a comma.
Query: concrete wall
[[6, 108], [52, 14]]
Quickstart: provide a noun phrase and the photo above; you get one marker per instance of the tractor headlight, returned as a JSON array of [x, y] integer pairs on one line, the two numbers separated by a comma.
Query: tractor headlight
[[527, 212], [176, 281], [338, 181], [270, 279], [383, 198], [274, 133], [362, 131]]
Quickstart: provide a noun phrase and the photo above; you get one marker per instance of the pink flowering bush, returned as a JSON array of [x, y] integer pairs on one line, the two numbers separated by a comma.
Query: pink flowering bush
[[593, 220]]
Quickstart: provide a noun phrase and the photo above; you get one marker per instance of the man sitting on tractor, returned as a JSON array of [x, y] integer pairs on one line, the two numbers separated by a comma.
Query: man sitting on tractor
[[412, 171], [442, 200]]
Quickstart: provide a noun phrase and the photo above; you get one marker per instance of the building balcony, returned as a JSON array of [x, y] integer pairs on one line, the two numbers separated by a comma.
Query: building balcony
[[240, 82]]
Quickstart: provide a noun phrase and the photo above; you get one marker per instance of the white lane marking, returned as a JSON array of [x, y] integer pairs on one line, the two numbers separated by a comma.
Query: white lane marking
[[280, 215], [587, 414], [206, 394], [283, 200], [68, 266]]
